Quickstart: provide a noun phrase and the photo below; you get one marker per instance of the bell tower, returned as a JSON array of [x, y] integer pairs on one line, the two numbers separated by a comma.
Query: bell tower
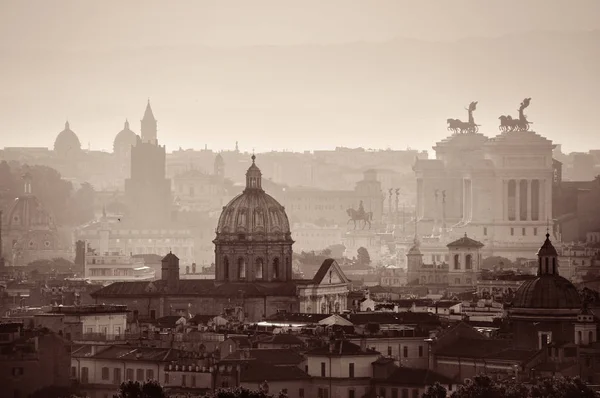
[[149, 126]]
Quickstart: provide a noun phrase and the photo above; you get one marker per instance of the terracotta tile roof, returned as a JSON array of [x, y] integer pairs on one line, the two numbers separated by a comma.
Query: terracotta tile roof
[[258, 371], [283, 339], [273, 356], [485, 348], [415, 377], [143, 354], [197, 287], [341, 348]]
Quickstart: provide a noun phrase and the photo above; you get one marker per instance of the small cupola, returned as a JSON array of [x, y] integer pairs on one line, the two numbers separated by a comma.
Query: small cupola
[[547, 258]]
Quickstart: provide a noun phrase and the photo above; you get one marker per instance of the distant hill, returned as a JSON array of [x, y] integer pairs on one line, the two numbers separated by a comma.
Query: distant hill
[[395, 93]]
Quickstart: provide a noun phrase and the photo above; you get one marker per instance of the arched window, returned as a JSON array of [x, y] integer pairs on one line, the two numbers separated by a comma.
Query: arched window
[[456, 261], [276, 273], [226, 268], [241, 268], [469, 262], [547, 265], [258, 273]]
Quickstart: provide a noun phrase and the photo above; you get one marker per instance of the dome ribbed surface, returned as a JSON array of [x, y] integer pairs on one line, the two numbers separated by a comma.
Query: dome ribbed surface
[[125, 139], [27, 213], [254, 212], [547, 292]]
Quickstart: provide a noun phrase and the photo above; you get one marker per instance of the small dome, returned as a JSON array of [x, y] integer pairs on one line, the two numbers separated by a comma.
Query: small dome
[[124, 140], [547, 292], [67, 142], [254, 213]]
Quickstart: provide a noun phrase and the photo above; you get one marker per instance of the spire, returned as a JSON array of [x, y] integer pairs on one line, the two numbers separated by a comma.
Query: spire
[[126, 125], [67, 126], [253, 176], [148, 114]]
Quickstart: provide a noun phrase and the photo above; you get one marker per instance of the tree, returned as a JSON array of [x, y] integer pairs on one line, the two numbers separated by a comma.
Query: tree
[[242, 392], [363, 257], [133, 389], [435, 391], [55, 392], [560, 387]]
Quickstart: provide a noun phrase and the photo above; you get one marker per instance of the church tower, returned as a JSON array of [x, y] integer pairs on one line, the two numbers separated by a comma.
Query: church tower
[[149, 126]]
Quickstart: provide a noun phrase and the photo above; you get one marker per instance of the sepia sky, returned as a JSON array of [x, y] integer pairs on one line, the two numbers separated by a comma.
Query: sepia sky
[[281, 74]]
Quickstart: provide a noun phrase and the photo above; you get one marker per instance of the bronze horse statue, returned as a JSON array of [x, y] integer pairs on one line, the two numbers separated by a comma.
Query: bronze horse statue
[[365, 217]]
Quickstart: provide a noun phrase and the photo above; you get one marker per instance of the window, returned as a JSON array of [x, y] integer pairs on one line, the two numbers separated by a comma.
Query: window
[[523, 231], [183, 380], [152, 314], [149, 374], [394, 393], [512, 232], [456, 261], [405, 393], [166, 377], [322, 369], [420, 351], [301, 393], [351, 370], [129, 374], [139, 375], [320, 393], [193, 381], [276, 268], [325, 393], [382, 392], [226, 268], [351, 393], [405, 351], [84, 375], [535, 231], [469, 262], [105, 373], [484, 231], [389, 351], [241, 268], [117, 376]]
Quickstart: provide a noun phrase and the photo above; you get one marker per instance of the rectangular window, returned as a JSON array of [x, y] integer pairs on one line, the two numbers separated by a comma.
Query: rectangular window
[[523, 231], [149, 374], [389, 351], [351, 370], [117, 376], [152, 314], [301, 393], [193, 381], [351, 393], [320, 393], [84, 375], [322, 369], [405, 393], [535, 231], [129, 374], [512, 232], [405, 351], [484, 231], [105, 373], [139, 375], [420, 351], [382, 392], [325, 393]]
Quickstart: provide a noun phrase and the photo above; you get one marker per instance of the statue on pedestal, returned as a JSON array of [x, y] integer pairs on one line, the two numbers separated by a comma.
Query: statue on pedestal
[[360, 215], [458, 126], [507, 123]]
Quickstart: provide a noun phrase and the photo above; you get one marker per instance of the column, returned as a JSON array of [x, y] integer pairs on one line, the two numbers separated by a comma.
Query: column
[[542, 201], [517, 200], [548, 192], [505, 200], [529, 196]]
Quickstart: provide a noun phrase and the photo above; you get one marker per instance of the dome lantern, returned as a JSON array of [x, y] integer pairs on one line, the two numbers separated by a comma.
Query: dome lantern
[[547, 258], [253, 176]]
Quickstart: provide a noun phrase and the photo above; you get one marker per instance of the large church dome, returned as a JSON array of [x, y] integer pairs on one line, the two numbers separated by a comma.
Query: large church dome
[[124, 140], [67, 143], [549, 291], [253, 214], [27, 212]]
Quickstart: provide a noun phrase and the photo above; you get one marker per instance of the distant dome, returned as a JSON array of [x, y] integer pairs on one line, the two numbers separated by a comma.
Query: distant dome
[[253, 213], [27, 212], [124, 140], [67, 143]]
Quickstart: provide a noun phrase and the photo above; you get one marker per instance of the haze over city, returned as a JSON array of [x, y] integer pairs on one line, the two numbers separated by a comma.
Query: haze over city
[[278, 75]]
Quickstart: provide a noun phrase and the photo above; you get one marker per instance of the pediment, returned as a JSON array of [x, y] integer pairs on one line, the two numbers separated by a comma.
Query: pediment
[[330, 273]]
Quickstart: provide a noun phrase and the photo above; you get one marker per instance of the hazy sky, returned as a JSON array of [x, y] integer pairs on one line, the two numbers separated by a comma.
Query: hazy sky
[[90, 27]]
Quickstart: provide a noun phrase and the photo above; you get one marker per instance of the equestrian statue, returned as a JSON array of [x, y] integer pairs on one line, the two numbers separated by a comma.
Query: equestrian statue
[[360, 215], [458, 126], [507, 123]]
